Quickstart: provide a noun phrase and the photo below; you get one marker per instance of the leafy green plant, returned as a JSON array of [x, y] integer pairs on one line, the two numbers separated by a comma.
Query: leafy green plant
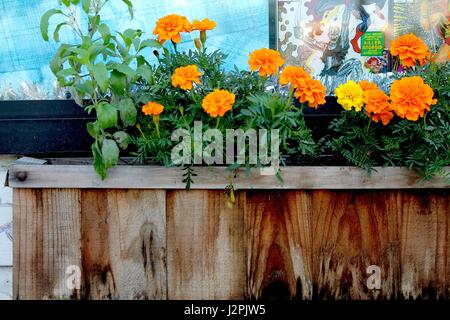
[[101, 70]]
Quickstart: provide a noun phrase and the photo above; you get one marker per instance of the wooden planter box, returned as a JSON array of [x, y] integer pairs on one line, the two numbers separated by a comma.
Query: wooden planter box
[[139, 234]]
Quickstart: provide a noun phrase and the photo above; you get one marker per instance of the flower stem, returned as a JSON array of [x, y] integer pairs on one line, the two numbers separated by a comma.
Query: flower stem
[[217, 122]]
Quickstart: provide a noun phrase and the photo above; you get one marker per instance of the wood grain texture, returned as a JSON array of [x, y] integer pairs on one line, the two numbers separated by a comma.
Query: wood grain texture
[[46, 226], [210, 178], [352, 231], [206, 247], [296, 244], [123, 244], [425, 244], [279, 245]]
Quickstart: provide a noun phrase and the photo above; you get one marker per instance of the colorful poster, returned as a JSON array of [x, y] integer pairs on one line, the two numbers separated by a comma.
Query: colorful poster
[[327, 37]]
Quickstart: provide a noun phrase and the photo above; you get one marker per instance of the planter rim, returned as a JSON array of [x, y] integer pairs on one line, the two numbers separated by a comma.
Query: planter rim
[[157, 177]]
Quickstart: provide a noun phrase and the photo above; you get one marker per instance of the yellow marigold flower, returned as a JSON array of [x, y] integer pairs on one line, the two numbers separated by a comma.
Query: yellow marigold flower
[[411, 49], [411, 97], [350, 95], [266, 61], [184, 77], [313, 92], [377, 105], [203, 25], [367, 85], [217, 103], [294, 75], [170, 27], [152, 109]]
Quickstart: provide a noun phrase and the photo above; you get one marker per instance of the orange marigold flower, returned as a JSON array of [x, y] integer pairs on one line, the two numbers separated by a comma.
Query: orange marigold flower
[[367, 85], [411, 49], [313, 92], [377, 105], [411, 97], [152, 109], [170, 27], [203, 25], [266, 61], [218, 102], [184, 77], [385, 117], [296, 76]]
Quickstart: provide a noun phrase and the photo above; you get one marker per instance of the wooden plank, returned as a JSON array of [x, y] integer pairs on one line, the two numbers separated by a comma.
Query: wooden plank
[[352, 231], [124, 244], [46, 226], [425, 245], [154, 177], [279, 245], [206, 247]]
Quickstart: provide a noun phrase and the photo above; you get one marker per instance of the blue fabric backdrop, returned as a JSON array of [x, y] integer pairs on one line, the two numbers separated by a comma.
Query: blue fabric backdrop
[[24, 56]]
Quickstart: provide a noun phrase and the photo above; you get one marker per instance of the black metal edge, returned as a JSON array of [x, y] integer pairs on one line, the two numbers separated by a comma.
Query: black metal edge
[[273, 24], [41, 109]]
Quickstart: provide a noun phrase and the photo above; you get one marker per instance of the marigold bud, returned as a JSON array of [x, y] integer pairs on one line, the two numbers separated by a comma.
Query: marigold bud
[[198, 45]]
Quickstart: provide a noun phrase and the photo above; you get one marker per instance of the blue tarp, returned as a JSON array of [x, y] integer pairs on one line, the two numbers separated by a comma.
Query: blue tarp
[[24, 56]]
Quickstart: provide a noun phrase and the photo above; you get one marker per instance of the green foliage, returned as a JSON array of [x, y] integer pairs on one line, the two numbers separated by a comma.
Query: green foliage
[[101, 70]]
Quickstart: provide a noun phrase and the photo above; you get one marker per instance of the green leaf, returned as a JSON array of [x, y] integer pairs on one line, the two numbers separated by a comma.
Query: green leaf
[[118, 82], [93, 129], [83, 53], [57, 29], [125, 69], [122, 138], [105, 32], [98, 160], [101, 75], [56, 64], [110, 153], [106, 115], [149, 43], [128, 112], [94, 51], [86, 5], [85, 88], [45, 22], [146, 73], [66, 2], [130, 7]]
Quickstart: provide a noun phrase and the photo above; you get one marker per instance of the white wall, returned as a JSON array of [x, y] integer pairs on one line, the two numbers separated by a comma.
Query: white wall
[[5, 232]]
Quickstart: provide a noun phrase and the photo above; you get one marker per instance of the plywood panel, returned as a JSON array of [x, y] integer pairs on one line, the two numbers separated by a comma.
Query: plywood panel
[[47, 242], [352, 231], [279, 245], [206, 247], [124, 244]]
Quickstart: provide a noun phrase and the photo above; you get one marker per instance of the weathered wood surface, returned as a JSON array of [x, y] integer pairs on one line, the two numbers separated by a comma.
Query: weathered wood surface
[[296, 244], [279, 245], [206, 254], [156, 177], [46, 231], [116, 239]]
